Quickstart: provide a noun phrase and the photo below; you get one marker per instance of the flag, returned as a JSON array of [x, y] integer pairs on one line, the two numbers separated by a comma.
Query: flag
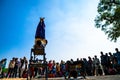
[[40, 31]]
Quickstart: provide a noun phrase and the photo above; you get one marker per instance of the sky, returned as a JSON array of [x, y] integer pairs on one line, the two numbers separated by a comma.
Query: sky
[[70, 29]]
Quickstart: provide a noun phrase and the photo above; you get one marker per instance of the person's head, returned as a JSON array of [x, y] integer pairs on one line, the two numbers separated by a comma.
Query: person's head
[[106, 54], [77, 59], [5, 59], [89, 57], [16, 59], [50, 61], [116, 49], [57, 63], [95, 56], [110, 53], [24, 58], [13, 58], [101, 53], [71, 59], [31, 57], [42, 19]]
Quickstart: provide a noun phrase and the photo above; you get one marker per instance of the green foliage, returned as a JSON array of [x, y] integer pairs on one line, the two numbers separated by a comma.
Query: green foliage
[[108, 19]]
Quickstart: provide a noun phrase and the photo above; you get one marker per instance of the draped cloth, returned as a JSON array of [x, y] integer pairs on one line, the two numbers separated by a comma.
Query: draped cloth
[[40, 31]]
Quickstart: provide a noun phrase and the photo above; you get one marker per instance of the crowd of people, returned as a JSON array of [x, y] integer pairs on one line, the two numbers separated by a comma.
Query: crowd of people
[[107, 64]]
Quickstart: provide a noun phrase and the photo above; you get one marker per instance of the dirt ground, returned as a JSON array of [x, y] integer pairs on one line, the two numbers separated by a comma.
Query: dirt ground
[[109, 77]]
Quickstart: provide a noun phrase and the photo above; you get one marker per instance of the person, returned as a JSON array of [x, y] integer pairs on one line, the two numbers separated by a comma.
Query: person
[[111, 57], [25, 63], [82, 68], [117, 60], [102, 57], [90, 63], [58, 74], [10, 68], [54, 69], [117, 55], [21, 66], [97, 63], [3, 65], [63, 68], [50, 66], [73, 72], [0, 72], [15, 68]]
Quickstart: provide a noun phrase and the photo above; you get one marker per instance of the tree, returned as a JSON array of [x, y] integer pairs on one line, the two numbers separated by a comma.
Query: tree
[[108, 18]]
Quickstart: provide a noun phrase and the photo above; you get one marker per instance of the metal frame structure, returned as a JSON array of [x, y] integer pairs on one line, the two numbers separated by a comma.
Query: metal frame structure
[[34, 53]]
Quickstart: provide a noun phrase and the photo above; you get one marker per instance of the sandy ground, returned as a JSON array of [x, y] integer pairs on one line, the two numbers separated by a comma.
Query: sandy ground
[[109, 77]]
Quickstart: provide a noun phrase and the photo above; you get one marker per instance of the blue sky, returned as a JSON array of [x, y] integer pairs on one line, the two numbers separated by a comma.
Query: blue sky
[[70, 29]]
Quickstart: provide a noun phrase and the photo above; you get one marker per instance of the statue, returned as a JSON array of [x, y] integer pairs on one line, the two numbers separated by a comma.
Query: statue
[[40, 33]]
